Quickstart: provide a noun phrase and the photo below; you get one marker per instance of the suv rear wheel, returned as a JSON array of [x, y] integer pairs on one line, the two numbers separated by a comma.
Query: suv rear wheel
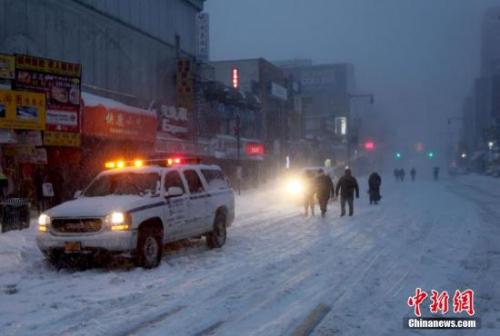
[[217, 238], [149, 247]]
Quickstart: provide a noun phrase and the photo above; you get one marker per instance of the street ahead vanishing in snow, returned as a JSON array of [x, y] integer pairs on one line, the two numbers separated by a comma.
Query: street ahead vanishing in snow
[[279, 273]]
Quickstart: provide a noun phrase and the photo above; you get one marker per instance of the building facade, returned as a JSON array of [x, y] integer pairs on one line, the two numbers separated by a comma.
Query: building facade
[[128, 49], [325, 98]]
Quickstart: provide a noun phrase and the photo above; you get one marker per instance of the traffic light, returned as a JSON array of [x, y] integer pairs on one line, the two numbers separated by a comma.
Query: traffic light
[[398, 156], [430, 155], [369, 145]]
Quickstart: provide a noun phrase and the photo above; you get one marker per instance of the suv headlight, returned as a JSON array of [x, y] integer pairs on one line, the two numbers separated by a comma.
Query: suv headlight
[[118, 221], [43, 223]]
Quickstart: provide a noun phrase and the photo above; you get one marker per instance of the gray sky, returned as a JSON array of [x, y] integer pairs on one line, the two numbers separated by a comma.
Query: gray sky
[[419, 57]]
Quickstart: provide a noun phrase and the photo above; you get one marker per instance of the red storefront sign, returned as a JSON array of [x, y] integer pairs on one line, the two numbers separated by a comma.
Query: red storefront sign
[[126, 123], [254, 149]]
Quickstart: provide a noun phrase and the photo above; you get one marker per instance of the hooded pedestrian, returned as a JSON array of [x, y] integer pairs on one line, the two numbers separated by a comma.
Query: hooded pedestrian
[[347, 185], [324, 190], [374, 182]]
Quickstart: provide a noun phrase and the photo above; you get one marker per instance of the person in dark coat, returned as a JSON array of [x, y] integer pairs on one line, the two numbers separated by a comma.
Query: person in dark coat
[[413, 173], [374, 182], [402, 174], [347, 185], [309, 191], [324, 190]]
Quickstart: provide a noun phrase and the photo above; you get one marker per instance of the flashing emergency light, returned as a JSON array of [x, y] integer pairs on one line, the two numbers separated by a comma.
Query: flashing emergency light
[[138, 163], [122, 164]]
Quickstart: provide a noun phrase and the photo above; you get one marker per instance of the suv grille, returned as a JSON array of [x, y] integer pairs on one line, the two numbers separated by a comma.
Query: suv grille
[[76, 225]]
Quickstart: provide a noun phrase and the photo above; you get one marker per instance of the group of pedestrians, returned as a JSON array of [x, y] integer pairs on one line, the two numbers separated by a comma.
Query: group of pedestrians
[[321, 186], [399, 174]]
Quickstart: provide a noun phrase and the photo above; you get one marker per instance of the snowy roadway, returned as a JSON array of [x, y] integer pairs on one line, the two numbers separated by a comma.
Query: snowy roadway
[[276, 268]]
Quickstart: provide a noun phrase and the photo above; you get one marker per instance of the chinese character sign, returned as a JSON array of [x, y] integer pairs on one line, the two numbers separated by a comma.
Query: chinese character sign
[[463, 302]]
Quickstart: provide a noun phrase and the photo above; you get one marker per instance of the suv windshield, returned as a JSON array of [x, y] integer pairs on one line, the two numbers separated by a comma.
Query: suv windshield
[[123, 184]]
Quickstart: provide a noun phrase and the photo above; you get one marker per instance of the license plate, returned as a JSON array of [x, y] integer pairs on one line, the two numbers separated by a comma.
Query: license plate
[[72, 247]]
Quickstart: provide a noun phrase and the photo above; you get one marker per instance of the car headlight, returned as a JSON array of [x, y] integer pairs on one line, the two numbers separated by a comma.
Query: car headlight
[[43, 223], [118, 221], [294, 186]]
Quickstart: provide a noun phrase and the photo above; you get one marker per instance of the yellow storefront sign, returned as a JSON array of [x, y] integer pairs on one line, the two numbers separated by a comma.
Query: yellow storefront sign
[[7, 66], [22, 110], [64, 139]]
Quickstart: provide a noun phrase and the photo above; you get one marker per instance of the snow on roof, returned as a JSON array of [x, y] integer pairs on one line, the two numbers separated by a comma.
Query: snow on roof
[[94, 100]]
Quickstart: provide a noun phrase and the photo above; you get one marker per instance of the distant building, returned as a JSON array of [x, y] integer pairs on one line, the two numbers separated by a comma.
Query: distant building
[[269, 82], [128, 49], [325, 91], [490, 42]]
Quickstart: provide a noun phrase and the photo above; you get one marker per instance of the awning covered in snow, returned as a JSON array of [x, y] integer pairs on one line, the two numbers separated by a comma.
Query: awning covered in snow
[[108, 118]]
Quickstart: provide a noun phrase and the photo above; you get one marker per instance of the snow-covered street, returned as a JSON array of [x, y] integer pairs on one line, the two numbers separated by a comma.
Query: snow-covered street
[[276, 268]]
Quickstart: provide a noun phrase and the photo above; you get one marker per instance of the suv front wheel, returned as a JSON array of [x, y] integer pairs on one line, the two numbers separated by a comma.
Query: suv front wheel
[[217, 238], [149, 247]]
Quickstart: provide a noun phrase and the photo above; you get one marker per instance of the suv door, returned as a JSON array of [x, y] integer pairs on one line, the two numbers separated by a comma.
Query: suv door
[[198, 213], [176, 210]]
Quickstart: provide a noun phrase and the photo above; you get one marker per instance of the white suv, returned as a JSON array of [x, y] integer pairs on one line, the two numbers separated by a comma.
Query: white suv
[[138, 209]]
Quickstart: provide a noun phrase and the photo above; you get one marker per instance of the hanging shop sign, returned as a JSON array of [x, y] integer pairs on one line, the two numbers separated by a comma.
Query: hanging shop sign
[[7, 66], [22, 110], [63, 139], [174, 121], [61, 83]]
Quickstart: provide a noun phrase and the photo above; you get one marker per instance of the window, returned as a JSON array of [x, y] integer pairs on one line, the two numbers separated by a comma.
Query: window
[[194, 182], [123, 184], [173, 179], [215, 179]]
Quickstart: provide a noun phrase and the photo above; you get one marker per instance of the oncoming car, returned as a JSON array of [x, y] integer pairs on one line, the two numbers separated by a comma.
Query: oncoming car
[[134, 209], [295, 183]]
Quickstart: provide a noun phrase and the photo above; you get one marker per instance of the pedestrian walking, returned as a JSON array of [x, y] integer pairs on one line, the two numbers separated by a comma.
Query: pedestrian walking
[[309, 191], [436, 173], [413, 173], [347, 185], [324, 190], [402, 174], [374, 183]]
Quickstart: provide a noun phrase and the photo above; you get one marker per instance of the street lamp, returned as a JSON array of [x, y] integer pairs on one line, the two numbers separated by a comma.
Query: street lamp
[[464, 155], [490, 145]]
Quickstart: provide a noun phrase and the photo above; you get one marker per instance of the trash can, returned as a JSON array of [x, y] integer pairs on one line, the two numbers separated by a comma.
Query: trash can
[[15, 214]]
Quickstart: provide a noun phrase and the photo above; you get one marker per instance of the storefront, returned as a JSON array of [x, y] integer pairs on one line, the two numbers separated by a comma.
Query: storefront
[[112, 130]]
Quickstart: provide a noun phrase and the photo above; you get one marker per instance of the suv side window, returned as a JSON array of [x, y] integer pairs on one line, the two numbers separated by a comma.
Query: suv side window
[[215, 179], [194, 182], [173, 179]]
